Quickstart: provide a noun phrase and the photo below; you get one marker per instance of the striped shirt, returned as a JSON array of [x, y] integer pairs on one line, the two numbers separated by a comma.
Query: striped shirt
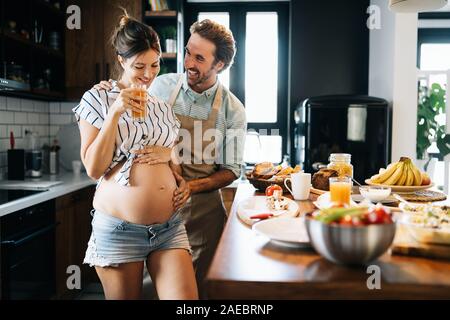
[[160, 127], [231, 120]]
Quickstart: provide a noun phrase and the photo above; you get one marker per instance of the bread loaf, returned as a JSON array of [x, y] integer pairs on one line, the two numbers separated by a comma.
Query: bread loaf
[[320, 178]]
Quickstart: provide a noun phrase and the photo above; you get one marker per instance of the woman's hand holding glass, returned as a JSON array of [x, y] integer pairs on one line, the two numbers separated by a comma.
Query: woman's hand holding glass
[[127, 100]]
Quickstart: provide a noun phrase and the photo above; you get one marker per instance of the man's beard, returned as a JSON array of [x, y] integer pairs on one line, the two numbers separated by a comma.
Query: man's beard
[[201, 79]]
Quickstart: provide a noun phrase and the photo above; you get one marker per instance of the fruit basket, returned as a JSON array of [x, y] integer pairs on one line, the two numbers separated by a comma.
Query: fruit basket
[[262, 184]]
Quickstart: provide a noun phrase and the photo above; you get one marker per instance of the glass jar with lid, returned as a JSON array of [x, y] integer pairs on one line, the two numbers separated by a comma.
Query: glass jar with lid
[[341, 162]]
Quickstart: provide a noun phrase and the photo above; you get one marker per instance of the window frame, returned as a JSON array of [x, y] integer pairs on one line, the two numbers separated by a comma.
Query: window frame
[[237, 12], [431, 35]]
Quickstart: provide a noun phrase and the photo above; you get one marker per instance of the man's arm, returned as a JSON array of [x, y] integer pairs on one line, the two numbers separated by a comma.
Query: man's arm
[[217, 180]]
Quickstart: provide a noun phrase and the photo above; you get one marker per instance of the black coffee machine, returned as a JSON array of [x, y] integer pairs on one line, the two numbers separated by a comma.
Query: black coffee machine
[[355, 124]]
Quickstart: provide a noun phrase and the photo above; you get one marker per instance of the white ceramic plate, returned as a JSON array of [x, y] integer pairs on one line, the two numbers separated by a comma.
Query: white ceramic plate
[[419, 232], [258, 204], [425, 234], [324, 201], [400, 189], [290, 232]]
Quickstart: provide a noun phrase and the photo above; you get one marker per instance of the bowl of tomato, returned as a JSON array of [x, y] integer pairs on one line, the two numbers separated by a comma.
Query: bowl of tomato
[[351, 235]]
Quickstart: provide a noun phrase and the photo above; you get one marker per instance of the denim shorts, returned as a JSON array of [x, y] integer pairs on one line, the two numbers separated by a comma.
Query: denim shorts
[[114, 241]]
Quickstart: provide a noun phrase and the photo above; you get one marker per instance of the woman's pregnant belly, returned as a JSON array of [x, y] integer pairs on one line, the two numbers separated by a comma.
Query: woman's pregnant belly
[[147, 200]]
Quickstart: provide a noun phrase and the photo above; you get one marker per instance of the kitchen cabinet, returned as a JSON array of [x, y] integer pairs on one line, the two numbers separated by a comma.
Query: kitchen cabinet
[[90, 56], [27, 253], [31, 48], [72, 235]]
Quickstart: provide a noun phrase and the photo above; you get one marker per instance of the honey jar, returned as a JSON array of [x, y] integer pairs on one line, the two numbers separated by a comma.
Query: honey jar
[[341, 162]]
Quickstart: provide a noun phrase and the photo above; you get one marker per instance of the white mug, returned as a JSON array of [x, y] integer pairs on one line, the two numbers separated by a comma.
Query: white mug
[[301, 185]]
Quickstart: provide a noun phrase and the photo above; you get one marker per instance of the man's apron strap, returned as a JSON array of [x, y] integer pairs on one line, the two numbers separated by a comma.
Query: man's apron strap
[[173, 96]]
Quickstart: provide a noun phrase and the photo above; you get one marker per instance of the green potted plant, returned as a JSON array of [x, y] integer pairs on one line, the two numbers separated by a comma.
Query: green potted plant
[[431, 104], [169, 35]]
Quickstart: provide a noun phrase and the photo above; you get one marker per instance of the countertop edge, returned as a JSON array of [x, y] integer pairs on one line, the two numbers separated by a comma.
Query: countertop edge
[[70, 184]]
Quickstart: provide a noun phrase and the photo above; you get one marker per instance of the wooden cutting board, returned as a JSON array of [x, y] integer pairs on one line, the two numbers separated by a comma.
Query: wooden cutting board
[[405, 244]]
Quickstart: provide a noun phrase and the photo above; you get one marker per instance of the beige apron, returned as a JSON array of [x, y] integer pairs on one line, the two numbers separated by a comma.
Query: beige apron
[[205, 214]]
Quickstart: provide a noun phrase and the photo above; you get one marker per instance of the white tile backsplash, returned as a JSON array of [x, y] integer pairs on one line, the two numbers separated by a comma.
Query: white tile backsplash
[[19, 115], [42, 131], [6, 117], [4, 144], [2, 103], [44, 118], [60, 119], [33, 118], [3, 131], [20, 118], [27, 105], [54, 107], [40, 106], [13, 104], [66, 107]]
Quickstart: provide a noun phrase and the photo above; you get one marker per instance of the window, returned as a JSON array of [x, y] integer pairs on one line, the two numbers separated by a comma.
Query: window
[[261, 56], [259, 74], [433, 54]]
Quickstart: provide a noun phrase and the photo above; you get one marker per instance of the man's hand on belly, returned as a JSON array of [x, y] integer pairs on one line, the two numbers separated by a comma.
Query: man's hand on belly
[[182, 193]]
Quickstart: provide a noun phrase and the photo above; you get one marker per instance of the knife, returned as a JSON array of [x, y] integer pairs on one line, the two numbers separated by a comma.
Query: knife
[[12, 141]]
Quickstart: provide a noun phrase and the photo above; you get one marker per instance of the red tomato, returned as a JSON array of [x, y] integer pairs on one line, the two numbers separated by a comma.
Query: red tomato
[[270, 189], [378, 215], [346, 221]]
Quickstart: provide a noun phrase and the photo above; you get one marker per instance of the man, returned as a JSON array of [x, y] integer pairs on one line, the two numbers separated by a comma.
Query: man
[[202, 104]]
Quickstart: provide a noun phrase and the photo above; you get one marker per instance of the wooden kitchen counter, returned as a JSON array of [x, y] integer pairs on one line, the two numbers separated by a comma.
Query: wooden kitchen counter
[[248, 266]]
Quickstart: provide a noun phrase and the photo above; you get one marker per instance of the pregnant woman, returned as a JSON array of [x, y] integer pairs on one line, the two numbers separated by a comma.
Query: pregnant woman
[[135, 219]]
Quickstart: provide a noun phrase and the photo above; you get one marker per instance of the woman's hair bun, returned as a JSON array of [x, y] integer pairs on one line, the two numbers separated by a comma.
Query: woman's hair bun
[[124, 20]]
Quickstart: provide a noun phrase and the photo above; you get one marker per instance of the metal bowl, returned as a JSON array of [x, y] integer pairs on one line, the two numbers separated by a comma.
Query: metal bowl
[[350, 245]]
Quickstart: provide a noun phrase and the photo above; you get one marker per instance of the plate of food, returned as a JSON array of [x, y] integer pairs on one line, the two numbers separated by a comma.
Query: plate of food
[[258, 208], [402, 177], [265, 174], [290, 232], [427, 223], [400, 189]]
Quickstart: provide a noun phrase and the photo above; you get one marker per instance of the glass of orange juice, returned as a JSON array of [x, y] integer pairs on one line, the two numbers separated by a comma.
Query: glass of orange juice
[[340, 189], [140, 90]]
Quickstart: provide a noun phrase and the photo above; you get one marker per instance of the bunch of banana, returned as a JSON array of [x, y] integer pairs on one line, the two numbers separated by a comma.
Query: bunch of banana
[[401, 173]]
